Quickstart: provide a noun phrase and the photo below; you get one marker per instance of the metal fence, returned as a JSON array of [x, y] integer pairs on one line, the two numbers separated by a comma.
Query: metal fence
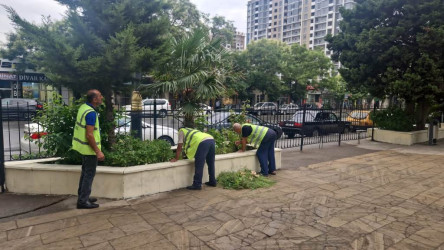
[[22, 137]]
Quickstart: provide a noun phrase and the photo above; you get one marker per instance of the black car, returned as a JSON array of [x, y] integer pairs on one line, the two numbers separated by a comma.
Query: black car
[[317, 122], [20, 108], [224, 120]]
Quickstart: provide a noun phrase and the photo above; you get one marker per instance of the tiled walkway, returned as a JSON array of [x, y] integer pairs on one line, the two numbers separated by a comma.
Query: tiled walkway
[[382, 200]]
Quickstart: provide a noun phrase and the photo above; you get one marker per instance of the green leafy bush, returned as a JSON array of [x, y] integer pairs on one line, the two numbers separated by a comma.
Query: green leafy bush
[[129, 151], [393, 119], [243, 179], [224, 140], [58, 119]]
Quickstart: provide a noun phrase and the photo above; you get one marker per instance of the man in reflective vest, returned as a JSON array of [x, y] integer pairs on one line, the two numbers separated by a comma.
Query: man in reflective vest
[[201, 147], [86, 141], [263, 139]]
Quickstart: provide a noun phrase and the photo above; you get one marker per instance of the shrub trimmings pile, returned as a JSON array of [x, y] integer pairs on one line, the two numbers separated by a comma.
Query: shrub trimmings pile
[[243, 179]]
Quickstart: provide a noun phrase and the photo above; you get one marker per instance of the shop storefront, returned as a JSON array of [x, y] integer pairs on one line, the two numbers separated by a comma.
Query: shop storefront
[[28, 85]]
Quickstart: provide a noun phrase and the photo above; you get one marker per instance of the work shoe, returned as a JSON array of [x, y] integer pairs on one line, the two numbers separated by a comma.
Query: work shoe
[[211, 184], [92, 199], [272, 173], [87, 205], [194, 188]]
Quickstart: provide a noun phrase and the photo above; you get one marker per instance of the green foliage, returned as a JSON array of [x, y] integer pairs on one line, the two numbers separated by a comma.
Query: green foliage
[[243, 179], [265, 59], [129, 151], [194, 70], [224, 140], [30, 156], [393, 119], [58, 119], [223, 29], [101, 44], [394, 48]]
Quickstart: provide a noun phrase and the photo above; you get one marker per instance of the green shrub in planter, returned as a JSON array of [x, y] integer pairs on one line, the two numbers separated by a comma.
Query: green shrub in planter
[[129, 151], [393, 119], [243, 179], [224, 140]]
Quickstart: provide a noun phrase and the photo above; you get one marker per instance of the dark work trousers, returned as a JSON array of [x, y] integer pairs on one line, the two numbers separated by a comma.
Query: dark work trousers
[[265, 153], [206, 151], [89, 165]]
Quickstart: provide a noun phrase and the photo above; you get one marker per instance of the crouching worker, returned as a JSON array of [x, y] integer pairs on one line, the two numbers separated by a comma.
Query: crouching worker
[[201, 147], [263, 139]]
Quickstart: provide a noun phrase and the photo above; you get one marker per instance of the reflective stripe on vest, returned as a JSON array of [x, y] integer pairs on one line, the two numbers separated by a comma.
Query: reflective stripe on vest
[[191, 141], [257, 135], [79, 141]]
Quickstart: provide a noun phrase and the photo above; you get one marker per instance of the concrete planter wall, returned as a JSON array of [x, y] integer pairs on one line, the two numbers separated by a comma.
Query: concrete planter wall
[[402, 138], [35, 177]]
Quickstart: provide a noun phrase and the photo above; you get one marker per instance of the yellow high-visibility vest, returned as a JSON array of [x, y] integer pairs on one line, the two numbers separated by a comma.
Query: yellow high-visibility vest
[[191, 140], [79, 141], [257, 135]]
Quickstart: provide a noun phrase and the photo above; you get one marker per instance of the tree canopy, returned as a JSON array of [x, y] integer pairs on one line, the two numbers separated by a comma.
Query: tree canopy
[[276, 69], [394, 48]]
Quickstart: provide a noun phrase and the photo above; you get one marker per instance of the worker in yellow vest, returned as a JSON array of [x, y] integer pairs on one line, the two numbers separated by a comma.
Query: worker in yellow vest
[[263, 139], [201, 147], [86, 140]]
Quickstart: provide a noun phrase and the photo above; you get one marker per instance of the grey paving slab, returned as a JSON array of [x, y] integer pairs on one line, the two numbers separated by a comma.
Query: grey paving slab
[[376, 199]]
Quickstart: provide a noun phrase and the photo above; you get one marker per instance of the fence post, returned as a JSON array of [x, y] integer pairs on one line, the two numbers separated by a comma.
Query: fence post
[[373, 123], [136, 114], [155, 119], [340, 119], [2, 152], [302, 129]]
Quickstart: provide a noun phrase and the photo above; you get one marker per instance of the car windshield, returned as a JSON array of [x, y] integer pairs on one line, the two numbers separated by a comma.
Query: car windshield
[[217, 117], [259, 104], [309, 116], [284, 106], [359, 114]]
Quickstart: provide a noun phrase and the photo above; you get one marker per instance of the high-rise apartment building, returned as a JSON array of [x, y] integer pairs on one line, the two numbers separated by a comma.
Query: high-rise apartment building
[[305, 22]]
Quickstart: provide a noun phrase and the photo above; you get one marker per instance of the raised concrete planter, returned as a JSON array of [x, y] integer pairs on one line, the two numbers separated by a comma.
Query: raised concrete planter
[[402, 138], [35, 177]]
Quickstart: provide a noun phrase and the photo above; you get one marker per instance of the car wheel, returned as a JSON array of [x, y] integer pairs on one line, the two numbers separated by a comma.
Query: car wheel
[[259, 113], [273, 112], [162, 113], [346, 130], [291, 135], [167, 139], [315, 133]]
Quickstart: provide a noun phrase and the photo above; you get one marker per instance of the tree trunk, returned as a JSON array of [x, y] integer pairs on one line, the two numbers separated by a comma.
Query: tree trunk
[[109, 111], [188, 121], [422, 115]]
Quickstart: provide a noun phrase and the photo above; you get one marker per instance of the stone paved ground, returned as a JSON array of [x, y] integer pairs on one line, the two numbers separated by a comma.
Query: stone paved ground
[[382, 200]]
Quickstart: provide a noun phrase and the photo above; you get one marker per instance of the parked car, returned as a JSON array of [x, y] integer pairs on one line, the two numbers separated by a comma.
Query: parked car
[[317, 122], [224, 120], [261, 108], [359, 119], [205, 108], [20, 108], [163, 106], [33, 133], [288, 108]]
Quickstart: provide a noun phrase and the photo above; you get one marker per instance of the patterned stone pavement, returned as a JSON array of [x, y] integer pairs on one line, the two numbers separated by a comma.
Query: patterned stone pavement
[[382, 200]]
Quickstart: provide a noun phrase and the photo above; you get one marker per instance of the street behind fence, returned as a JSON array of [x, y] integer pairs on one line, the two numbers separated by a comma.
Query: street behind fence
[[24, 137]]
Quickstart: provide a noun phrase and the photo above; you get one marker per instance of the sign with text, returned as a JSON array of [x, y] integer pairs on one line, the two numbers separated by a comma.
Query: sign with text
[[27, 77]]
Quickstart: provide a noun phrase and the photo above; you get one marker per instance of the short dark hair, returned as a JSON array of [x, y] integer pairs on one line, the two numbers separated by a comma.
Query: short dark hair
[[91, 94]]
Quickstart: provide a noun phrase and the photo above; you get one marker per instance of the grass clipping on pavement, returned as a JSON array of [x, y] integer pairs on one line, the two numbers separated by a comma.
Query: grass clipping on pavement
[[243, 179]]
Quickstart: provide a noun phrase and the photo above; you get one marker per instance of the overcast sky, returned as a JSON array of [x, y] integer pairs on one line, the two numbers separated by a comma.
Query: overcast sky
[[33, 10]]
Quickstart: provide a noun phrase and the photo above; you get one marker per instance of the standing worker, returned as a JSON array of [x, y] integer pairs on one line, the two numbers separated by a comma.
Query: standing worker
[[201, 147], [263, 139], [86, 141]]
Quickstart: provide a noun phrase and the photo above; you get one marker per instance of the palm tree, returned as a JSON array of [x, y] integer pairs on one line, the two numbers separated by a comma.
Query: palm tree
[[194, 70]]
